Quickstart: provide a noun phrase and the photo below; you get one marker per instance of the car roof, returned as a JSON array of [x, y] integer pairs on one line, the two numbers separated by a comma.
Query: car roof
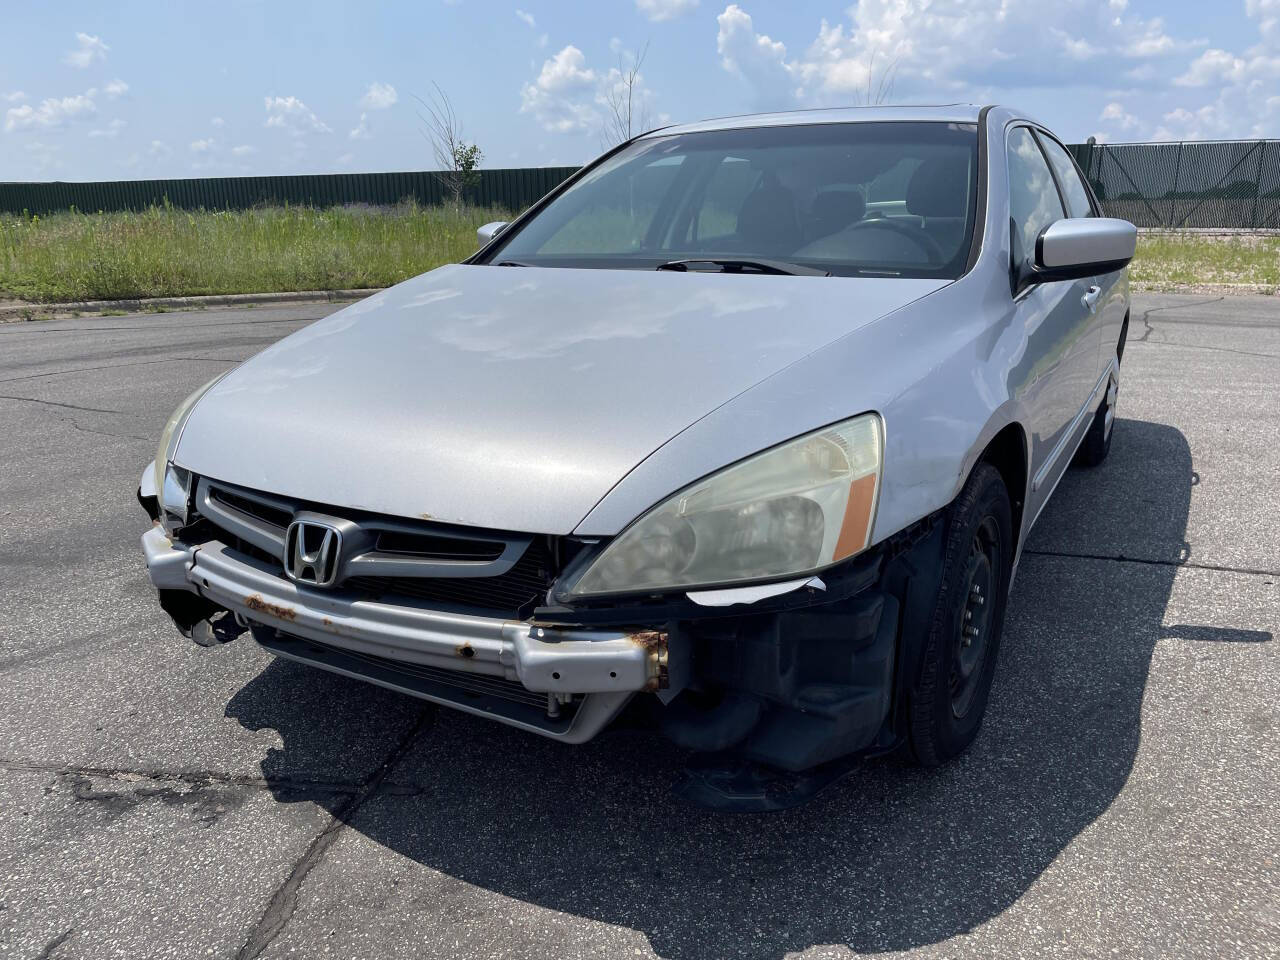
[[945, 113]]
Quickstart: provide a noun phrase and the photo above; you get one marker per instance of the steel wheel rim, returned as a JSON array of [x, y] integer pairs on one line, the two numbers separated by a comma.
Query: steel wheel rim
[[1109, 417], [972, 634]]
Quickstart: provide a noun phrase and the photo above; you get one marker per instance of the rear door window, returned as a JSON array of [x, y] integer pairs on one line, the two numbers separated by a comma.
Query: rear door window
[[1033, 196], [1073, 188]]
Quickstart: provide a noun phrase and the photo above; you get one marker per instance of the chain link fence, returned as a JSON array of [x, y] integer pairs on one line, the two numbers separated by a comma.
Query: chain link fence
[[511, 189], [1228, 184], [1222, 184]]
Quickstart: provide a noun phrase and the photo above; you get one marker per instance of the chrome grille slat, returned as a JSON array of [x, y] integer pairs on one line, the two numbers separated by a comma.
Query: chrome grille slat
[[482, 570]]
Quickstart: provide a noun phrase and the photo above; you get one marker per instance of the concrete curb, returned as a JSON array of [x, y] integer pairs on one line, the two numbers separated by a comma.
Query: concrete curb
[[11, 313]]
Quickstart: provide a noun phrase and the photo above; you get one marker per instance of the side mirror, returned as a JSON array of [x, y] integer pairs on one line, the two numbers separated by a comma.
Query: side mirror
[[1082, 247], [490, 230]]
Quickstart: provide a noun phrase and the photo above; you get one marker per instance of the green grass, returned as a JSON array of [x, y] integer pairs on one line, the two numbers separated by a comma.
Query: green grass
[[1174, 261], [167, 252]]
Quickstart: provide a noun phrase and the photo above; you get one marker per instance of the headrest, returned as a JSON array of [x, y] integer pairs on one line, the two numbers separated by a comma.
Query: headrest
[[939, 188]]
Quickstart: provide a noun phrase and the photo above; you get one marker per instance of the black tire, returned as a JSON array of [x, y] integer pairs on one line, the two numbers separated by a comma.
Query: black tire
[[1097, 442], [948, 702]]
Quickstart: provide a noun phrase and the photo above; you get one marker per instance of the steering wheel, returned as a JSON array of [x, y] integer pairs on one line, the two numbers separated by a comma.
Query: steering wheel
[[921, 239]]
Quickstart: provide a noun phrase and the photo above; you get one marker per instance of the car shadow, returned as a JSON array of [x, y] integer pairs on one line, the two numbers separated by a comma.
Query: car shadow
[[890, 858]]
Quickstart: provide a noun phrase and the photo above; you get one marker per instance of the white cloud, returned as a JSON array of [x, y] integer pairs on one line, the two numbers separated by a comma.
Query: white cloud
[[202, 146], [665, 9], [159, 148], [562, 97], [111, 130], [1077, 48], [1267, 13], [761, 61], [361, 131], [1114, 113], [88, 51], [290, 113], [567, 96], [379, 96], [217, 122], [924, 48], [1211, 67], [52, 113], [243, 150], [116, 88], [1242, 86], [14, 97], [528, 19], [1151, 41]]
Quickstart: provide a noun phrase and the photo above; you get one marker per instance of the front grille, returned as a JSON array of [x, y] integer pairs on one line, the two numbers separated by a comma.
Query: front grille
[[253, 524], [525, 583], [256, 509], [436, 547]]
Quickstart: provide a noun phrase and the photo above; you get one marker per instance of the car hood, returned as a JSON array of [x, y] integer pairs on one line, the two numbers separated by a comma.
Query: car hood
[[511, 398]]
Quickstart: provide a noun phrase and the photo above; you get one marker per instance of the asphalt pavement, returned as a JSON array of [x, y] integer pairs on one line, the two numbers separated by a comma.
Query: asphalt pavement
[[160, 799]]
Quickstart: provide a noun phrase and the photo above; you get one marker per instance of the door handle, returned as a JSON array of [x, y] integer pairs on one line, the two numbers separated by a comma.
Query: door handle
[[1090, 299]]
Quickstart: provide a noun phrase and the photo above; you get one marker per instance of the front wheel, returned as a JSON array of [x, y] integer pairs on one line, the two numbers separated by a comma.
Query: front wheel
[[950, 698]]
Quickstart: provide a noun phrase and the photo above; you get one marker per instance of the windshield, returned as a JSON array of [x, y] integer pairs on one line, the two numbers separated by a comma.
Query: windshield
[[882, 198]]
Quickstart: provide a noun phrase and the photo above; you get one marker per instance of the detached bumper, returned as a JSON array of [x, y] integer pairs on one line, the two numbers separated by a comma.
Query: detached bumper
[[562, 683]]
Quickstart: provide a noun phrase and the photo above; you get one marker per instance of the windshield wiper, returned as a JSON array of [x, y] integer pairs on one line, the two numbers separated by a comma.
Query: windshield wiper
[[779, 267], [513, 263]]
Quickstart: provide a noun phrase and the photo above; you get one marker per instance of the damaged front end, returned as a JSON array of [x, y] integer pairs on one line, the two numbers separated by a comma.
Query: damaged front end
[[775, 694], [782, 693]]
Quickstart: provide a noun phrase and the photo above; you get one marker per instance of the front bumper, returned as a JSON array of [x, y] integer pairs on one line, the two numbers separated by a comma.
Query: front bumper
[[794, 681], [563, 683]]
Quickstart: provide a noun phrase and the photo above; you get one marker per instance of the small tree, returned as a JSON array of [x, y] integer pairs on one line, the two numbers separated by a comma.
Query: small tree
[[879, 85], [457, 160], [625, 117]]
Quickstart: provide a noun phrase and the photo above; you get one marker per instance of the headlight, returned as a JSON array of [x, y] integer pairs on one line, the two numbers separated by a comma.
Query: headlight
[[169, 481], [791, 510]]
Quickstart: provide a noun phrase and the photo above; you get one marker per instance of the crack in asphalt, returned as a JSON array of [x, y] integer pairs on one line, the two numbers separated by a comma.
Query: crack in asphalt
[[18, 328], [1121, 558], [200, 779], [56, 403], [285, 900], [55, 943], [1150, 327], [74, 424], [1169, 306], [117, 366], [1202, 346]]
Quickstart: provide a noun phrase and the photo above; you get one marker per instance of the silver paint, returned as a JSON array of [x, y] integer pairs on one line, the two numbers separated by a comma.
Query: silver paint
[[559, 400], [1086, 240], [489, 230], [510, 397]]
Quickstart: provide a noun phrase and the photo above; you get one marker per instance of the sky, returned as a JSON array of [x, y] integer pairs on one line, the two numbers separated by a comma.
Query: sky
[[130, 90]]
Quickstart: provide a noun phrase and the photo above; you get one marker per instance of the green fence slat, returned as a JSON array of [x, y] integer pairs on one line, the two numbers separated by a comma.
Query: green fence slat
[[1222, 184]]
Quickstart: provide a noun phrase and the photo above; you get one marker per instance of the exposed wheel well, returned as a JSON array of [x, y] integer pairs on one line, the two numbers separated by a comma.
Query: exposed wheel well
[[1007, 452]]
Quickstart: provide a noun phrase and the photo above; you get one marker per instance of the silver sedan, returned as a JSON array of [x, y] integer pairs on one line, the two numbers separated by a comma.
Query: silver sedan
[[740, 430]]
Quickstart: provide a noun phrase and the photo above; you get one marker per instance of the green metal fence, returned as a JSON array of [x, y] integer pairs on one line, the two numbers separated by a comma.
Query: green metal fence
[[1218, 184], [1232, 184], [513, 189]]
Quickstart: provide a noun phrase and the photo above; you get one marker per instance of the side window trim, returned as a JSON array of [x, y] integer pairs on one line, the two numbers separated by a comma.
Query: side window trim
[[1009, 132], [1053, 173], [1043, 135]]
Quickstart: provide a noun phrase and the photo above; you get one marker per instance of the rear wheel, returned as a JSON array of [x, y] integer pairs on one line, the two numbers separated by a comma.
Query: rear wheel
[[1097, 442], [949, 700]]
